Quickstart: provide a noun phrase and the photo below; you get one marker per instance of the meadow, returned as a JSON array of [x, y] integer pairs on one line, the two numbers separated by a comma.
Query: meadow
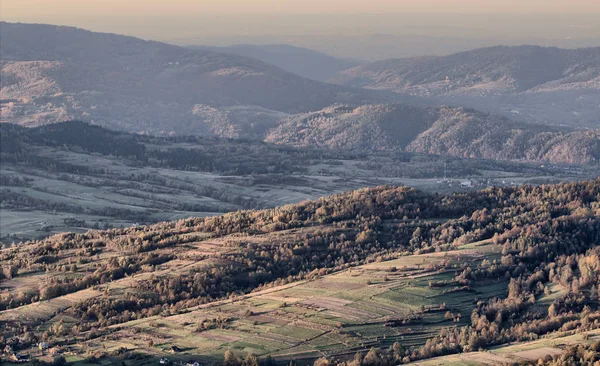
[[373, 305]]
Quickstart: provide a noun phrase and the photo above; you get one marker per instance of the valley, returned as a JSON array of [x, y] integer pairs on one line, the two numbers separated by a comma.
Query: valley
[[54, 181]]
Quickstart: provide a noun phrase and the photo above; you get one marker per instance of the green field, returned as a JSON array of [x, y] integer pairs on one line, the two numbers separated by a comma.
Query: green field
[[337, 314]]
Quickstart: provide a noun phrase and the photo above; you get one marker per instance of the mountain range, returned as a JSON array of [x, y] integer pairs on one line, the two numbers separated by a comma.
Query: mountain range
[[54, 73], [542, 84], [493, 70]]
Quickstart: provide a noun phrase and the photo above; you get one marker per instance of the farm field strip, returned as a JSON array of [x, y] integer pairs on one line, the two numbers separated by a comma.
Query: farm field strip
[[302, 320]]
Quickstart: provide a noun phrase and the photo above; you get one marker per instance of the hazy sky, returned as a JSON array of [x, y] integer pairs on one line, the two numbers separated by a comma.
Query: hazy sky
[[232, 21], [32, 10]]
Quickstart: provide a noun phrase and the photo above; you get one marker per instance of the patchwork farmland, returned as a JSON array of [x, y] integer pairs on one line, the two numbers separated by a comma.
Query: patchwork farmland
[[405, 300]]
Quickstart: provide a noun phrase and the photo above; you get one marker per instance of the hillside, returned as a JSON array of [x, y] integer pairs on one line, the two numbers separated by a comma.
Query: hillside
[[389, 273], [52, 73], [536, 83], [297, 60], [436, 130], [493, 70]]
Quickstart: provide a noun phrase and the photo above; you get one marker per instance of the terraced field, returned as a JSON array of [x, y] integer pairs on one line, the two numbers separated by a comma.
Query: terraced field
[[339, 314]]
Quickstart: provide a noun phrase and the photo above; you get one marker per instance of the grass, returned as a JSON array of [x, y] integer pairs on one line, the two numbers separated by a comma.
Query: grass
[[556, 291], [335, 314], [322, 316]]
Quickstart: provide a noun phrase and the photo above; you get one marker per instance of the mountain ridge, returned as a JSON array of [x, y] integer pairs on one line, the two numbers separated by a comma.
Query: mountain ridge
[[53, 73], [453, 131], [528, 83], [301, 61], [519, 63]]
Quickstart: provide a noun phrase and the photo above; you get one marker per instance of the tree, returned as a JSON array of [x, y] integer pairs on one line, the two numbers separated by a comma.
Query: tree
[[594, 293], [322, 362], [10, 271], [230, 359], [398, 350], [374, 358], [552, 311], [514, 289], [251, 360]]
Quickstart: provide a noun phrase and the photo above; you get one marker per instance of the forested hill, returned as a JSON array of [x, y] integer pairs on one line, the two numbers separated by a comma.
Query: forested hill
[[529, 83], [211, 154], [450, 131], [335, 132], [546, 236]]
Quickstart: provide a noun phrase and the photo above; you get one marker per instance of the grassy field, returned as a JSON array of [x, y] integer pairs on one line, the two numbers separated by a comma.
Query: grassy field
[[371, 305]]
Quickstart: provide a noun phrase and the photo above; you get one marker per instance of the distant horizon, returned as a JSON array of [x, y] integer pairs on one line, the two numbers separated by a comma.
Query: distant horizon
[[178, 20], [352, 38], [39, 8], [351, 29], [439, 24]]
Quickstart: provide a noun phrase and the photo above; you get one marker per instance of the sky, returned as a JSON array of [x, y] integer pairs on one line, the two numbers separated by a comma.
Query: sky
[[41, 10], [266, 21]]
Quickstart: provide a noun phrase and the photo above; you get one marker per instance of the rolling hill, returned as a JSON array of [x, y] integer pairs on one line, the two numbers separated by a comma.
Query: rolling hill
[[449, 131], [390, 274], [300, 61], [533, 83], [53, 73]]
